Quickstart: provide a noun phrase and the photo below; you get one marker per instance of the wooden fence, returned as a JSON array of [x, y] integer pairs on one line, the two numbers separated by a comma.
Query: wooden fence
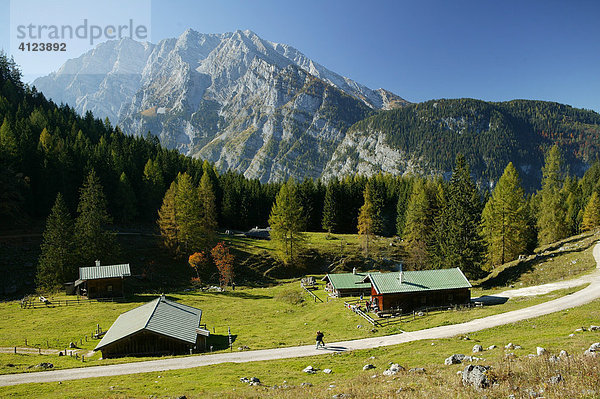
[[41, 302]]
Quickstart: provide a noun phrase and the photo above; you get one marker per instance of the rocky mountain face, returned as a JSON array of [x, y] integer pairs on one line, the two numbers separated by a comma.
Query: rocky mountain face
[[244, 103]]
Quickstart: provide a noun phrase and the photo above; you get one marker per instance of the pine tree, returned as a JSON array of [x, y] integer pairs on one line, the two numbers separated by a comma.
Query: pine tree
[[8, 141], [191, 233], [404, 195], [287, 221], [504, 219], [209, 208], [418, 227], [125, 200], [153, 188], [591, 213], [167, 221], [91, 235], [459, 242], [56, 263], [552, 225], [331, 209], [366, 220]]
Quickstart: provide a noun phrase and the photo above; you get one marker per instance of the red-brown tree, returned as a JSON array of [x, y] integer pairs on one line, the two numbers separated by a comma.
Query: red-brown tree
[[224, 261]]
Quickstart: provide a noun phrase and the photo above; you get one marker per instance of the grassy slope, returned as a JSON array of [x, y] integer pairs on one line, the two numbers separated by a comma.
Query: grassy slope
[[259, 317], [552, 332]]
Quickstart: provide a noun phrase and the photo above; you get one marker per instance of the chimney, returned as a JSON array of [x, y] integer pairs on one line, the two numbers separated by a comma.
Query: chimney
[[354, 270], [97, 263], [400, 273]]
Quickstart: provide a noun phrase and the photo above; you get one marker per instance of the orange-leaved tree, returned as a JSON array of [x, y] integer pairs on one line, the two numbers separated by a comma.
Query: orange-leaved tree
[[198, 260], [224, 261]]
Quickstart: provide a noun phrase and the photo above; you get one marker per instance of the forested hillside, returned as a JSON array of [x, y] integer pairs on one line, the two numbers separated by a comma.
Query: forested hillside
[[489, 135]]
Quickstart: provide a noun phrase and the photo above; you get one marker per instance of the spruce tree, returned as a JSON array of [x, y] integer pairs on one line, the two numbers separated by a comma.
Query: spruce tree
[[153, 188], [331, 203], [366, 220], [591, 213], [418, 227], [125, 199], [459, 241], [56, 262], [552, 217], [504, 219], [404, 194], [8, 141], [94, 240], [287, 221], [167, 220]]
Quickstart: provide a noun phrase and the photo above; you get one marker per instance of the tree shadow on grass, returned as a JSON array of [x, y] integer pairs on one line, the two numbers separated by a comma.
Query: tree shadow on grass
[[514, 271]]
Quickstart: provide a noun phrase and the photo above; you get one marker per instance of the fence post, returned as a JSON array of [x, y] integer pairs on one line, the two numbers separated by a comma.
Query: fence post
[[25, 341], [40, 350], [15, 349]]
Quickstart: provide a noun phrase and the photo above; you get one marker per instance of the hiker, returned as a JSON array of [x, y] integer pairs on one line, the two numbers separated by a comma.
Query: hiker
[[320, 339]]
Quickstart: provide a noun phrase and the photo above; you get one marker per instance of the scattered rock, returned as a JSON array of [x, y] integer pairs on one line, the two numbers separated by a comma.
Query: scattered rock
[[555, 379], [592, 350], [509, 346], [368, 367], [341, 395], [581, 329], [477, 348], [571, 335], [309, 370], [327, 371], [418, 370], [359, 326], [393, 369], [420, 314], [306, 385], [44, 366], [243, 348], [254, 379], [182, 397], [553, 359], [475, 376], [510, 355], [73, 345], [563, 354], [454, 359], [594, 328], [518, 347], [492, 347], [540, 351]]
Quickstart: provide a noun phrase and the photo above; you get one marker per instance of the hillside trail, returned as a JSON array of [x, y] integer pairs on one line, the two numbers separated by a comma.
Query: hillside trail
[[586, 295]]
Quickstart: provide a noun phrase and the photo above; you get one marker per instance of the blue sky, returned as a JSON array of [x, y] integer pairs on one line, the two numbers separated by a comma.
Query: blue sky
[[492, 50]]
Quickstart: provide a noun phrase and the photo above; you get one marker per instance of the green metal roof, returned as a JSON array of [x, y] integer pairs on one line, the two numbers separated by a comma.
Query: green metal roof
[[418, 280], [108, 271], [160, 316], [347, 281]]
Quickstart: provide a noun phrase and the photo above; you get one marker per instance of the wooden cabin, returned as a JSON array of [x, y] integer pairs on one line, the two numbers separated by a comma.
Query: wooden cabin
[[102, 281], [411, 290], [347, 284], [159, 327]]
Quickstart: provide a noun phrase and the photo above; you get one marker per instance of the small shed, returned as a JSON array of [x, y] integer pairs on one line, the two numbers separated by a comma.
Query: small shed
[[410, 290], [102, 281], [159, 327], [347, 284]]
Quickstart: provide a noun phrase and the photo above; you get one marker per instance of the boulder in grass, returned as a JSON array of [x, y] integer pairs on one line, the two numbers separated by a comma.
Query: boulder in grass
[[454, 359], [309, 370], [476, 376], [477, 348], [540, 351], [368, 367], [327, 371]]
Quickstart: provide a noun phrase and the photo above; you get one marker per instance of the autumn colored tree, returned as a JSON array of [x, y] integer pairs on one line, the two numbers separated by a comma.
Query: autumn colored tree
[[287, 221], [198, 261], [167, 221], [591, 213], [224, 261]]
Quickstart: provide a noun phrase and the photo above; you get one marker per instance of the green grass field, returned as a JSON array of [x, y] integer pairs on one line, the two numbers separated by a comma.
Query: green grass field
[[581, 376], [283, 315]]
